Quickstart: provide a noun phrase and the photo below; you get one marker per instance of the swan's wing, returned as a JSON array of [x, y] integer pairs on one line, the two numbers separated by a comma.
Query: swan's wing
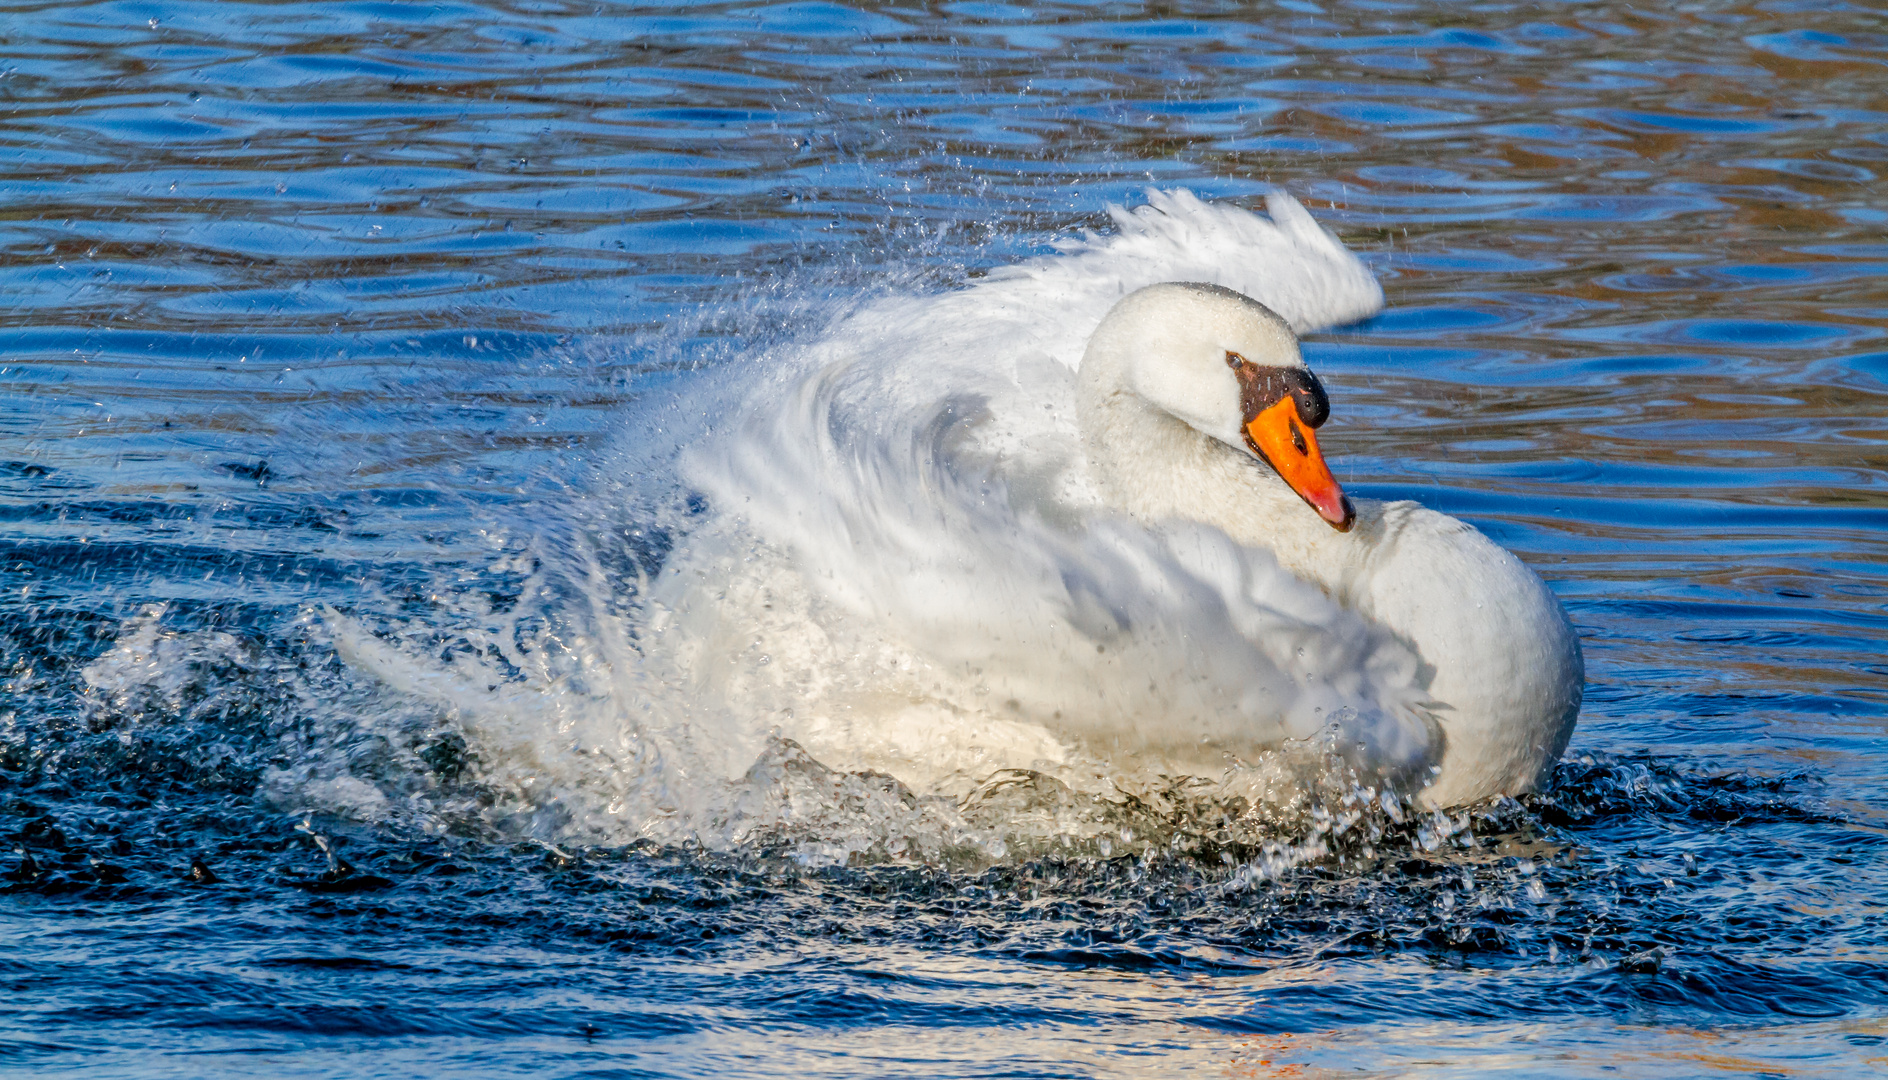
[[926, 579], [900, 526], [1286, 261], [1024, 324]]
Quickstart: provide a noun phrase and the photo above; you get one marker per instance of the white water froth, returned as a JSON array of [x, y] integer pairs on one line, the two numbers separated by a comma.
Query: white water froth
[[891, 579]]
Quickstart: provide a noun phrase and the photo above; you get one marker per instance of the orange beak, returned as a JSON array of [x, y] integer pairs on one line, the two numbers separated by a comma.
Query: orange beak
[[1291, 449]]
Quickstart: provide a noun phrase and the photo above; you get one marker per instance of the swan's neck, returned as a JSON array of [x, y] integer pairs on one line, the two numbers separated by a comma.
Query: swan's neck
[[1147, 463], [1501, 663]]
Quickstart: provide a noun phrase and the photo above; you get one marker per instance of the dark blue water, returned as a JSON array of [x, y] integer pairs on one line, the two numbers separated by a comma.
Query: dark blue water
[[301, 304]]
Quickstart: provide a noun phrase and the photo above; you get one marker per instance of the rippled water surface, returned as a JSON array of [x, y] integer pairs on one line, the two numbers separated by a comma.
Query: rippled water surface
[[316, 308]]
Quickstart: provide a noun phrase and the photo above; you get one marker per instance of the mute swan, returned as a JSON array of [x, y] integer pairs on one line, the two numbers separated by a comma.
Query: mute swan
[[1183, 386], [935, 540]]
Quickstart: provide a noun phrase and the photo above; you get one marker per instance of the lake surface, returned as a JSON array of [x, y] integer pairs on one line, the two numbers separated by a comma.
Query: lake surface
[[316, 308]]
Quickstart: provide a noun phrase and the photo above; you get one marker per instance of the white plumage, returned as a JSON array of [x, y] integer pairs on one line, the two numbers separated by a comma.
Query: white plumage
[[995, 528], [948, 574]]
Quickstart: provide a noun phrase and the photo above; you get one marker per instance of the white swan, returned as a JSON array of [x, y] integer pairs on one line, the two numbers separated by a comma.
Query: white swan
[[1188, 392], [947, 541], [934, 540]]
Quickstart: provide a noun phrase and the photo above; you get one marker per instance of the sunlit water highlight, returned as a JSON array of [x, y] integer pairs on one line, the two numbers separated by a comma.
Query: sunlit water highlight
[[336, 338]]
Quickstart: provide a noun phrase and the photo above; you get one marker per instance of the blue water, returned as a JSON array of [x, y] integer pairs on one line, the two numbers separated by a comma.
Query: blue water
[[299, 302]]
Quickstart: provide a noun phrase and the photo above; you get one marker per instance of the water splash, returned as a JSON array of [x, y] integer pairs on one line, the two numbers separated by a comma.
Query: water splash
[[824, 593]]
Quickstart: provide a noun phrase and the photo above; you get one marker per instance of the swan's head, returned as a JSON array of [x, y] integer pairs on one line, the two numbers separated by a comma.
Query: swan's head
[[1229, 367]]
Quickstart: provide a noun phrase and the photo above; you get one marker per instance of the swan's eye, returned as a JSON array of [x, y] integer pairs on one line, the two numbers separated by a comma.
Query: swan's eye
[[1235, 361]]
